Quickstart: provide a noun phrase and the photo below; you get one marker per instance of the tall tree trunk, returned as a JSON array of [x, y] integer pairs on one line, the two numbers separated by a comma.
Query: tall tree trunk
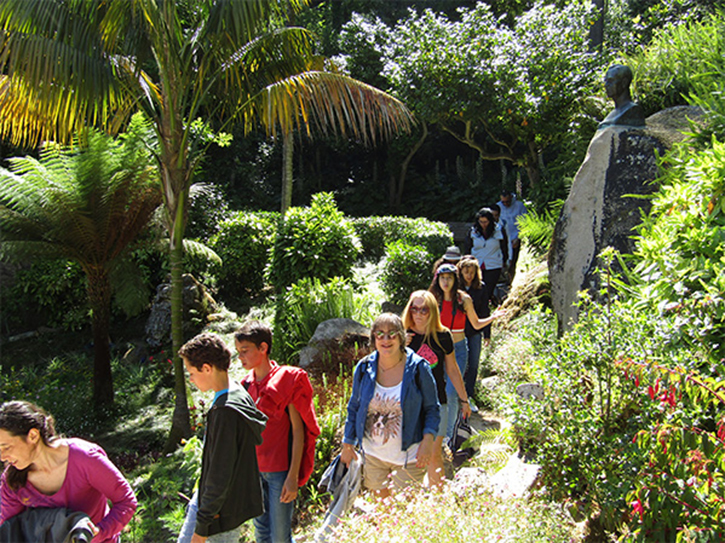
[[288, 150], [596, 32], [404, 167], [99, 296], [180, 423]]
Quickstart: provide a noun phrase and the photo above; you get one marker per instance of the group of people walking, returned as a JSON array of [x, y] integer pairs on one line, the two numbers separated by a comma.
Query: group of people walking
[[408, 394], [259, 440]]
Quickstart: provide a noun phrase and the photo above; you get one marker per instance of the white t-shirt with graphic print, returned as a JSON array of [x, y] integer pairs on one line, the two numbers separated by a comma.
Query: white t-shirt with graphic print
[[383, 437]]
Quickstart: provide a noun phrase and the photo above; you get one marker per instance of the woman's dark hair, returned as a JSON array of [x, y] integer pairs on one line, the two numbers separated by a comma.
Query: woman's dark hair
[[437, 291], [18, 418], [488, 213]]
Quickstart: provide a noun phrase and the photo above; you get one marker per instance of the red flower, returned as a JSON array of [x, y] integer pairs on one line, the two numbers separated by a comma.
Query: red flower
[[638, 509]]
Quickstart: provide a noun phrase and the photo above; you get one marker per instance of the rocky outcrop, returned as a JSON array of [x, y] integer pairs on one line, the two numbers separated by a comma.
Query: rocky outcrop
[[197, 303], [603, 206]]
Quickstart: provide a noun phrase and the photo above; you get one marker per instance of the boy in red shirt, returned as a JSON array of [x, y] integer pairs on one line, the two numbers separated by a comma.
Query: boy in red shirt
[[286, 455]]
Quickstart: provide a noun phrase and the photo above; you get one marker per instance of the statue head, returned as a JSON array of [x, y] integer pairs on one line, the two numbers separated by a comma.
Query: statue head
[[625, 112], [617, 81]]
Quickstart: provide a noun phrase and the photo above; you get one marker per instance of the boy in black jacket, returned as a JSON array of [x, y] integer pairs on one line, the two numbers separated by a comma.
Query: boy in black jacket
[[229, 490]]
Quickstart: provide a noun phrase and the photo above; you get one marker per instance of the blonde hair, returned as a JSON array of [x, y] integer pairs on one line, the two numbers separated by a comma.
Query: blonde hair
[[434, 324]]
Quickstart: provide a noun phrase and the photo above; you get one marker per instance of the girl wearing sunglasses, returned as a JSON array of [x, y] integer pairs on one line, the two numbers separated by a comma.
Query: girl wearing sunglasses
[[430, 339], [456, 307], [393, 412]]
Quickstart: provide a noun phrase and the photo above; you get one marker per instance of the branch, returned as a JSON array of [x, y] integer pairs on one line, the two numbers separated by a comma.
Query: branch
[[484, 154]]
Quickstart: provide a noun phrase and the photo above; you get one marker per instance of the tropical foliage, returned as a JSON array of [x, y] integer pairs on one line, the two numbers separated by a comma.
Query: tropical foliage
[[505, 92], [177, 62], [86, 204]]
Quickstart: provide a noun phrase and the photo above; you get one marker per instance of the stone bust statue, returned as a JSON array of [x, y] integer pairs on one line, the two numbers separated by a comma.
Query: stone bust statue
[[625, 112]]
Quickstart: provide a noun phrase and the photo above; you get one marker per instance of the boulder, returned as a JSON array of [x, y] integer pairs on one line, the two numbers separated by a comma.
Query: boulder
[[528, 391], [331, 334], [198, 305], [603, 209]]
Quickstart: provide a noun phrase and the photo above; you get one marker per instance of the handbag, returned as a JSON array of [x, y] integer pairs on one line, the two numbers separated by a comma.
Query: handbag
[[462, 432]]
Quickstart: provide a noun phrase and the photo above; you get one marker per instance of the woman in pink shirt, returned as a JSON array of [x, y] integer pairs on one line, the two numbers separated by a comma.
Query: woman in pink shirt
[[45, 470]]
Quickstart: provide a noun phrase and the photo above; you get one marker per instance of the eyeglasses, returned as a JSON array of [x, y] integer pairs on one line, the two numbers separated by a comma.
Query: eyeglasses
[[379, 334], [422, 309]]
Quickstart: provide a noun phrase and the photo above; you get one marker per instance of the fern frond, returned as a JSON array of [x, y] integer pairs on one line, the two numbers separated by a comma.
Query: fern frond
[[195, 248]]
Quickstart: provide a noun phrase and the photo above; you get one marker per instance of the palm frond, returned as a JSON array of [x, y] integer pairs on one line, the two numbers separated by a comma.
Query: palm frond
[[59, 77], [332, 103]]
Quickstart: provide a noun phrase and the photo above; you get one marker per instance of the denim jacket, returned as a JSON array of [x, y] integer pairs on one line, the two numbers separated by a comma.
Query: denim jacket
[[419, 399]]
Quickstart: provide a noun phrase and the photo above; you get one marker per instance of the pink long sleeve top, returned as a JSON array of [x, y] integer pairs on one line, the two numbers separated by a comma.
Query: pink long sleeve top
[[91, 481]]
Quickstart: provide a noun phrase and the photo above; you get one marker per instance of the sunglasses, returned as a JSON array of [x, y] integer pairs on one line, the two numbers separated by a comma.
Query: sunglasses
[[422, 309], [379, 334]]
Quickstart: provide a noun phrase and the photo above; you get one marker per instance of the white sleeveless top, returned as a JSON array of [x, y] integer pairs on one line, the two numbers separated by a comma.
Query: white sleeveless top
[[383, 436]]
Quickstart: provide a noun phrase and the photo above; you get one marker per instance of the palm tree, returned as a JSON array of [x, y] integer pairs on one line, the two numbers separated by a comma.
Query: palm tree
[[85, 204], [69, 63]]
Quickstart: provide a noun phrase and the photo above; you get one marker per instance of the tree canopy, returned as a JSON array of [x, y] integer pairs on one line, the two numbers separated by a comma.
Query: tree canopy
[[508, 92]]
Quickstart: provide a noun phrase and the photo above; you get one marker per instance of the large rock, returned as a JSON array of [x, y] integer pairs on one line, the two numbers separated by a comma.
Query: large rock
[[599, 212], [330, 335], [197, 306]]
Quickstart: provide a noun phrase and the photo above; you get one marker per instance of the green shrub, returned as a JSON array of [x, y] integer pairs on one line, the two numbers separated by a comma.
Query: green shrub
[[243, 242], [309, 302], [207, 209], [681, 249], [407, 268], [582, 431], [315, 241], [678, 58], [376, 232], [48, 292]]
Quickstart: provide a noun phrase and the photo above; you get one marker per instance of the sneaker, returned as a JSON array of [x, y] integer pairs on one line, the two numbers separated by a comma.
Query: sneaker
[[474, 409]]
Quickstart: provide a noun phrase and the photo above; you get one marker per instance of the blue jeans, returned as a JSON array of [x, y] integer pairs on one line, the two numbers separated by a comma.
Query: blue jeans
[[461, 350], [187, 530], [275, 524], [474, 357]]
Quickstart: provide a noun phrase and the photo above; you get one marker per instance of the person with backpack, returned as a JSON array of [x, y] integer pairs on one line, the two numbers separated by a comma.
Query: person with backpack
[[393, 414], [287, 453]]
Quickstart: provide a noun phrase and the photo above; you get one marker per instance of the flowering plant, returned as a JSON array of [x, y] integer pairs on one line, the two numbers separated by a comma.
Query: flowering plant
[[679, 491]]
